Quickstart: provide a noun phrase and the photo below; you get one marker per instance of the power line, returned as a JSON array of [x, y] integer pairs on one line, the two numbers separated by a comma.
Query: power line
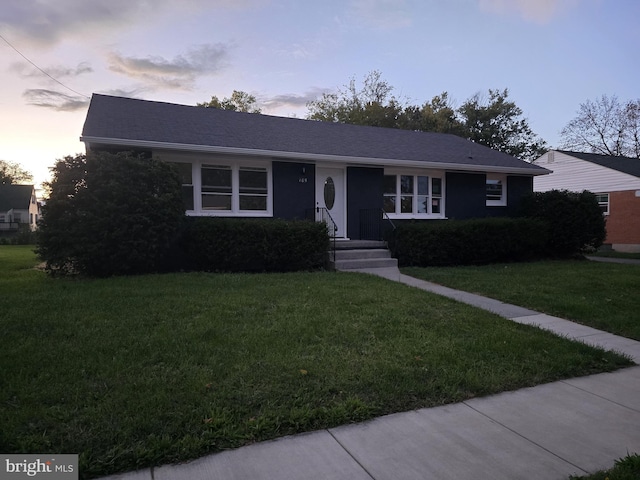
[[41, 70]]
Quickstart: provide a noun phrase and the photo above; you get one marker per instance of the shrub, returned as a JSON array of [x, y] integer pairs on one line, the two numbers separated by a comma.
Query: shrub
[[468, 242], [575, 221], [110, 214], [254, 245]]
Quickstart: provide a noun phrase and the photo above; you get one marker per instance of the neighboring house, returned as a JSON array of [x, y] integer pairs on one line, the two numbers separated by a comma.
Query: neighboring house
[[615, 181], [250, 165], [18, 205]]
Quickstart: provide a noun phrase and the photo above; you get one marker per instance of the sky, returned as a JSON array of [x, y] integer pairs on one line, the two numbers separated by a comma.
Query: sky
[[552, 55]]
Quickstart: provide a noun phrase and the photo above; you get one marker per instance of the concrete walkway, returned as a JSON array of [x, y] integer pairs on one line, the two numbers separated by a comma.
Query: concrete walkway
[[550, 431]]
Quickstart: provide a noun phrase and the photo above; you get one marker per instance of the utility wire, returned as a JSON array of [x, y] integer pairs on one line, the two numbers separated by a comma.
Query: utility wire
[[41, 70]]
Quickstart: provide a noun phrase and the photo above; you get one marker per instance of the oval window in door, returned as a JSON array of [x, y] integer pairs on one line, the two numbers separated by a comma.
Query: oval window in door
[[329, 193]]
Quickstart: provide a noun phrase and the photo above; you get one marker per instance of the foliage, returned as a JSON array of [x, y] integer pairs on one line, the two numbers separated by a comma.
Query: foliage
[[467, 242], [239, 102], [575, 220], [627, 468], [496, 122], [131, 372], [372, 105], [110, 214], [605, 126], [253, 245], [13, 173]]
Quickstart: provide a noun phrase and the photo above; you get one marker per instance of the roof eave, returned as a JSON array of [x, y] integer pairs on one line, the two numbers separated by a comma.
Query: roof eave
[[315, 157]]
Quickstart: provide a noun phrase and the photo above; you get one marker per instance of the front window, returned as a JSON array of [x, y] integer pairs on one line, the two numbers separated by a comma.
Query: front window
[[496, 193], [413, 196], [603, 202], [225, 188]]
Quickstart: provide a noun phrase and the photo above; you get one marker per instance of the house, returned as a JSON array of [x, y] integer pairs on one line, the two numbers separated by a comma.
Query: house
[[237, 164], [615, 181], [18, 206]]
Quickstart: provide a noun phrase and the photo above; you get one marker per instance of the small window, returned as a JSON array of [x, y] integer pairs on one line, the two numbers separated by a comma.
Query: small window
[[253, 189], [603, 202], [496, 191]]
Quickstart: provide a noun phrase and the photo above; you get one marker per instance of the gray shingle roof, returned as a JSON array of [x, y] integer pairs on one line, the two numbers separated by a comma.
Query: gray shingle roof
[[627, 165], [136, 122], [15, 196]]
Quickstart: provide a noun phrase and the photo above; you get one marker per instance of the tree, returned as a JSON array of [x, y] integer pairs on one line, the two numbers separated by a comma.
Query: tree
[[239, 102], [11, 172], [372, 105], [605, 126], [497, 122], [110, 214], [437, 115]]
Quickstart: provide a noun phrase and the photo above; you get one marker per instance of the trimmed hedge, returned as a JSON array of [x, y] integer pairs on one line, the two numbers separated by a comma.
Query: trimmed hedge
[[469, 242], [253, 245], [575, 220]]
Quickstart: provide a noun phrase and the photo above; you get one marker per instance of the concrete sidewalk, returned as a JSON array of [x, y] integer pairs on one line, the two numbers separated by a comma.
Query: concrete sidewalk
[[550, 431]]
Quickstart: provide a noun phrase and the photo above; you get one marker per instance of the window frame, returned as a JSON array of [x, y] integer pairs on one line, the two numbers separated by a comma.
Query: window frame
[[235, 165], [606, 204], [415, 194], [502, 179]]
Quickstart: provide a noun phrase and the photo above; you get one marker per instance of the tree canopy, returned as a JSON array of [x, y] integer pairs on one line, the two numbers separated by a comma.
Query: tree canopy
[[492, 120], [11, 173], [606, 126], [239, 102]]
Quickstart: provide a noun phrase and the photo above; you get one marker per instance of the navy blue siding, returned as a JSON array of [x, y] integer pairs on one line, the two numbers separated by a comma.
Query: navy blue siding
[[364, 192], [292, 196], [465, 195]]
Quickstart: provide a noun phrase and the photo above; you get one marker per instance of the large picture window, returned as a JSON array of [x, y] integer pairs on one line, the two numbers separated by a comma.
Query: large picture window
[[219, 188], [413, 195]]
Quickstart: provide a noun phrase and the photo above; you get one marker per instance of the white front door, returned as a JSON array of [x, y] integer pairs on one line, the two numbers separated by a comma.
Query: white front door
[[331, 195]]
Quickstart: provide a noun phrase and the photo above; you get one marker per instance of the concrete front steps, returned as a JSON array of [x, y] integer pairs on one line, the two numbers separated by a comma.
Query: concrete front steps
[[361, 254]]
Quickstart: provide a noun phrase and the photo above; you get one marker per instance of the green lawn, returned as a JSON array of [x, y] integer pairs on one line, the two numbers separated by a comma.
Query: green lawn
[[136, 371], [601, 295]]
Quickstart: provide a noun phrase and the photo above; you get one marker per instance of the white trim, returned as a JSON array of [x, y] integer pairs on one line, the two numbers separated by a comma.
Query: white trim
[[413, 172], [314, 157], [197, 162], [503, 199]]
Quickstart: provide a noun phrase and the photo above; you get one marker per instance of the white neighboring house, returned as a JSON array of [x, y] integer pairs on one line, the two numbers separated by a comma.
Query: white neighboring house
[[615, 181], [18, 205]]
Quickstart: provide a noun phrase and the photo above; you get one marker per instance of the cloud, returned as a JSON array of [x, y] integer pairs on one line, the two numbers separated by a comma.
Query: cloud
[[61, 102], [291, 99], [56, 71], [539, 11], [45, 22], [180, 72]]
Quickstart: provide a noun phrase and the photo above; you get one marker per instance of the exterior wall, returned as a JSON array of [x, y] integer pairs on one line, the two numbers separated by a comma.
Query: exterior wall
[[364, 192], [576, 175], [623, 221], [465, 195], [293, 190]]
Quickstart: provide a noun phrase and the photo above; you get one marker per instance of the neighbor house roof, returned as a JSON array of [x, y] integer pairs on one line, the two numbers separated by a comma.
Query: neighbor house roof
[[116, 121], [627, 165], [15, 197]]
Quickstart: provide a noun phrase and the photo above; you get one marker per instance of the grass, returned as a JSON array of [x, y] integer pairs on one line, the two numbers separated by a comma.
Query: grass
[[131, 372], [601, 295], [627, 468], [614, 254]]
